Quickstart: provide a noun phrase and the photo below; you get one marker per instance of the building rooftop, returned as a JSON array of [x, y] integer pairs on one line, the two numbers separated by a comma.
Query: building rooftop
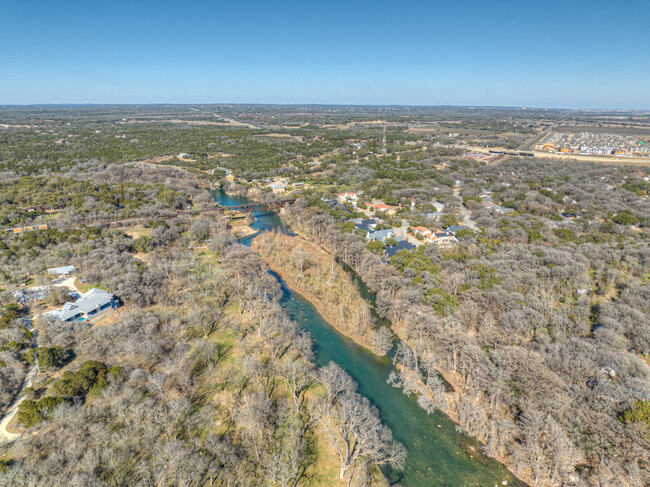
[[60, 271], [381, 235], [367, 225], [458, 228], [391, 250], [88, 303]]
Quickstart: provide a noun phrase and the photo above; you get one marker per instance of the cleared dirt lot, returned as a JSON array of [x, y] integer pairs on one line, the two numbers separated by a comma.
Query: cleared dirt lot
[[617, 161], [643, 132]]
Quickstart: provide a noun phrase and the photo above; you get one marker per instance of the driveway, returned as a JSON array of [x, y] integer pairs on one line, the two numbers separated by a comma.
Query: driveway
[[467, 218], [6, 436], [401, 232]]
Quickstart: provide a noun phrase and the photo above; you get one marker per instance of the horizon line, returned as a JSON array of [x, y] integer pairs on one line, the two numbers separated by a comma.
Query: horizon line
[[378, 105]]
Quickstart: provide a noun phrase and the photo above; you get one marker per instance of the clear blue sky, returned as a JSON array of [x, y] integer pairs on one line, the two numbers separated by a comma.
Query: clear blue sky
[[571, 53]]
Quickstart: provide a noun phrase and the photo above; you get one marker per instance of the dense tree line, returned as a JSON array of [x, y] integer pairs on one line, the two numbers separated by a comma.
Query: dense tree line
[[203, 380], [542, 361]]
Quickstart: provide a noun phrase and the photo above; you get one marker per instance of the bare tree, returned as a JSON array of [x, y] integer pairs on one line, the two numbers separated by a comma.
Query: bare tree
[[382, 340], [358, 436]]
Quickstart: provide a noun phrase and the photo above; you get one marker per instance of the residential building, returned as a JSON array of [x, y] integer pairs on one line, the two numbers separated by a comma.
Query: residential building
[[88, 306], [28, 294], [381, 235], [65, 270], [367, 225], [501, 209], [278, 188], [443, 237], [486, 199], [348, 197], [424, 231], [391, 250], [457, 228]]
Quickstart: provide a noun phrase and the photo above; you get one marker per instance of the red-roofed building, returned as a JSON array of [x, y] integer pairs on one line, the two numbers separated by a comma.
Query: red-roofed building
[[348, 197], [424, 231]]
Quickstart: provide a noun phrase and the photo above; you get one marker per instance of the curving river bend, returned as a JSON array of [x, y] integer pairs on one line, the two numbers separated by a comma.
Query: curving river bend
[[438, 455]]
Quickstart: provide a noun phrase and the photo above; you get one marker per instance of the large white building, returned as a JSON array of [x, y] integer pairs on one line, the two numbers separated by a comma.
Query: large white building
[[348, 197]]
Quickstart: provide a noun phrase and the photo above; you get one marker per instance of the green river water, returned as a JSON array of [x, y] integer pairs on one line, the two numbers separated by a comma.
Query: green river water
[[438, 455]]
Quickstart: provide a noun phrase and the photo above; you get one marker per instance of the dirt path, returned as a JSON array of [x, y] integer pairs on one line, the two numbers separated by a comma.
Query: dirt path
[[5, 435]]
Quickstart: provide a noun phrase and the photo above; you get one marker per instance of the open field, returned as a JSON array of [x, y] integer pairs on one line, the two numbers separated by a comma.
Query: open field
[[628, 161], [352, 124]]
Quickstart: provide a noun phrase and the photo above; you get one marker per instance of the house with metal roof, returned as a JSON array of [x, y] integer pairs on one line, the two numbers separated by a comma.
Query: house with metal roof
[[88, 306], [391, 250], [457, 228], [380, 235], [367, 225], [61, 271], [438, 206]]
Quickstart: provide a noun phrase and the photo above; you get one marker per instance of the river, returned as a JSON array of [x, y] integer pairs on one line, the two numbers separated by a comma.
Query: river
[[438, 455]]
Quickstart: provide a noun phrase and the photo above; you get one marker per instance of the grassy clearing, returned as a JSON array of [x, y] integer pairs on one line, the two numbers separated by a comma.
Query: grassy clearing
[[136, 232], [85, 287]]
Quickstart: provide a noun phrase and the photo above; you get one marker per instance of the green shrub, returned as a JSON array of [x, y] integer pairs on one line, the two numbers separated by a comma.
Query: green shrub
[[488, 276], [376, 247], [142, 244], [31, 412], [639, 413], [626, 217], [90, 378], [48, 358]]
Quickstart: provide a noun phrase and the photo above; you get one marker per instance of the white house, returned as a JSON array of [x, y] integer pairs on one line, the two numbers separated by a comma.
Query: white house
[[443, 237], [348, 197]]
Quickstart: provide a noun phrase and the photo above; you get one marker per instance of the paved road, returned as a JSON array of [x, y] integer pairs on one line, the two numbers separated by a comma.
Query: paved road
[[401, 232], [464, 213], [467, 219]]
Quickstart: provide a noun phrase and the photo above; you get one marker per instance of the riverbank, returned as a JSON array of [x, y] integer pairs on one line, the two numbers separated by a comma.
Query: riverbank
[[453, 397], [316, 276], [241, 228], [438, 454]]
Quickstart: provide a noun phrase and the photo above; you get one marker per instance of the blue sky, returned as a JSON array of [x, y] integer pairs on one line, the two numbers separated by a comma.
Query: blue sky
[[571, 53]]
